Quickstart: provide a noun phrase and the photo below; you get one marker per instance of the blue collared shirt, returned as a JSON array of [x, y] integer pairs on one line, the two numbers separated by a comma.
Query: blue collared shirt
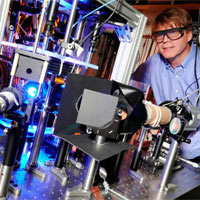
[[168, 83]]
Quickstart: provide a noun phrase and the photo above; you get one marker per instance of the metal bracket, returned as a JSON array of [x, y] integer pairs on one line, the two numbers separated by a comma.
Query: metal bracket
[[14, 189], [61, 174], [36, 171], [77, 192], [136, 176], [73, 49], [123, 33], [32, 66]]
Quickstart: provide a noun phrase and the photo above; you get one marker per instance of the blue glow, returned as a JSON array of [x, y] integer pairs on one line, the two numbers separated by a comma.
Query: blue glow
[[33, 129], [65, 5], [5, 122], [57, 104], [31, 89], [26, 101]]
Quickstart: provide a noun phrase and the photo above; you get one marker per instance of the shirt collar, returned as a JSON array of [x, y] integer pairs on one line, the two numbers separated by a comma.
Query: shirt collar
[[167, 64]]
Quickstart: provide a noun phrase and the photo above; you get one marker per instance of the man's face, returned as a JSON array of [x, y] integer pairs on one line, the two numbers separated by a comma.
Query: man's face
[[170, 49]]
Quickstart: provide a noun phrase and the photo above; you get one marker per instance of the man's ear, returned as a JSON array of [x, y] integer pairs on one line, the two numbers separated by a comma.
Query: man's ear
[[189, 36]]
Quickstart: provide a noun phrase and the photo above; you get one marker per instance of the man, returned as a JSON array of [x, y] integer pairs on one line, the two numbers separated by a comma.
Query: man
[[171, 72]]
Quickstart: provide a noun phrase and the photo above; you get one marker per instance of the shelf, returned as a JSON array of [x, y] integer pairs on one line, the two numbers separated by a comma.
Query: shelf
[[152, 10], [194, 6]]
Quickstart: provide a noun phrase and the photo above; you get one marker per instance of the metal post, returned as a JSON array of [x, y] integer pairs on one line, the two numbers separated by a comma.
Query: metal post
[[79, 34], [69, 25], [159, 145], [8, 161], [91, 173], [42, 16], [68, 32], [41, 128], [4, 10], [64, 149], [85, 191], [14, 68], [51, 17], [80, 28], [93, 43], [168, 165], [59, 170], [136, 159], [35, 20]]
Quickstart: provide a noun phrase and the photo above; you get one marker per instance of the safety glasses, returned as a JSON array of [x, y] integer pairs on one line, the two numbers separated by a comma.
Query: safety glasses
[[172, 34]]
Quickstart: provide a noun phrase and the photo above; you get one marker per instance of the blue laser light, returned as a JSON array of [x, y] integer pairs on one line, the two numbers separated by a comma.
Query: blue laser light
[[31, 89]]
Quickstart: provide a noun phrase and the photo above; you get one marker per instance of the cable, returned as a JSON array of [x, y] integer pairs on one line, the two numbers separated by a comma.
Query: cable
[[86, 37], [190, 86], [197, 99], [92, 12], [192, 92], [195, 64], [196, 81], [195, 73]]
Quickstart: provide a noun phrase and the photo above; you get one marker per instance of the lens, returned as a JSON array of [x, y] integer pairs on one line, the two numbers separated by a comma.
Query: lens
[[158, 37], [174, 34]]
